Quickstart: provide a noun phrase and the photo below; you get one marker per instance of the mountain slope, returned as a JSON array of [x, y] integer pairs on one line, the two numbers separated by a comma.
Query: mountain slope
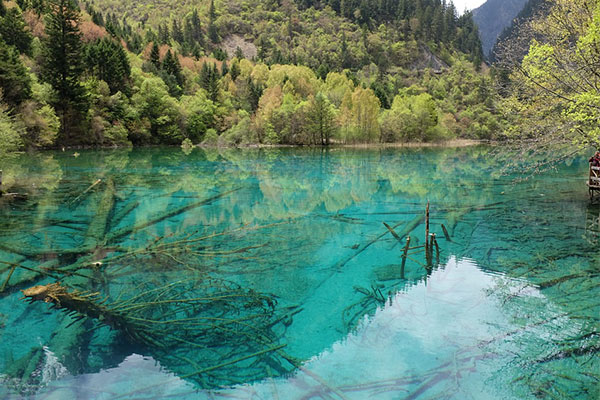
[[512, 41], [493, 17]]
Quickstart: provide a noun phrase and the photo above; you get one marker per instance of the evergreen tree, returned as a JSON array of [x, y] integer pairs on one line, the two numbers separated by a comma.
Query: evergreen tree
[[107, 60], [213, 33], [14, 79], [209, 80], [345, 54], [163, 34], [255, 91], [13, 31], [224, 68], [172, 67], [192, 33], [239, 54], [235, 70], [176, 32], [155, 55], [2, 8], [63, 66]]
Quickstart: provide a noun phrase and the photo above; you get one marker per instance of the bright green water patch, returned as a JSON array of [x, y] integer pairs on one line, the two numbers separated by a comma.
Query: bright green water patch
[[270, 274]]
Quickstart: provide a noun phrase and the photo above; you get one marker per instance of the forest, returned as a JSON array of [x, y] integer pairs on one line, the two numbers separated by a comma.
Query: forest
[[303, 72]]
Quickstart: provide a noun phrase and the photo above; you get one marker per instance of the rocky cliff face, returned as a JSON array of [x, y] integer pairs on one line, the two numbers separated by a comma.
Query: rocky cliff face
[[493, 16]]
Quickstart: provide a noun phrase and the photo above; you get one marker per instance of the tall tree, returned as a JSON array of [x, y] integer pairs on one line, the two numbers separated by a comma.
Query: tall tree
[[321, 120], [13, 30], [63, 66], [172, 67], [176, 32], [107, 60], [213, 33], [155, 55], [14, 79], [209, 80]]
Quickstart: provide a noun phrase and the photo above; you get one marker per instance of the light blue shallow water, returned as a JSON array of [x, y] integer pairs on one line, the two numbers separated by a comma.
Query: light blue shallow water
[[510, 310]]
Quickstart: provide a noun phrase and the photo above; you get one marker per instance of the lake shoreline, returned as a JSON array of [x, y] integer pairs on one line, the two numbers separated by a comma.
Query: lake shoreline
[[447, 143]]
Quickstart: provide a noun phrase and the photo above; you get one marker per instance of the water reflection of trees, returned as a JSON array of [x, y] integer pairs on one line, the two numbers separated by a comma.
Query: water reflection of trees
[[323, 203]]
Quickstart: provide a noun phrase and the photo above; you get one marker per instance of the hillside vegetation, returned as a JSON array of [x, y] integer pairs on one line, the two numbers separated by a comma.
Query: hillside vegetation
[[119, 73]]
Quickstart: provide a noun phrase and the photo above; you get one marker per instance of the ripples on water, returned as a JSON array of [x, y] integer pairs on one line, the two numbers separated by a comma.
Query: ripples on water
[[511, 310]]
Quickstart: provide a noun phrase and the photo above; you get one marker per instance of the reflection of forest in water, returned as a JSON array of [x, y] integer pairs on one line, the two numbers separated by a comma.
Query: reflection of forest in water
[[316, 209]]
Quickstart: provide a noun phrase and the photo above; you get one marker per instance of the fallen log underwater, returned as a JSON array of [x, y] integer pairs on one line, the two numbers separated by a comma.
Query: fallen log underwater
[[198, 328]]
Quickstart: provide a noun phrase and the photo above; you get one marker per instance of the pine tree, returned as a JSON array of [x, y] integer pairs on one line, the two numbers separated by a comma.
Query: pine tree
[[163, 34], [176, 32], [192, 32], [12, 30], [172, 67], [2, 8], [239, 54], [255, 91], [235, 70], [209, 80], [213, 33], [63, 66], [155, 55], [14, 79], [107, 60], [224, 68]]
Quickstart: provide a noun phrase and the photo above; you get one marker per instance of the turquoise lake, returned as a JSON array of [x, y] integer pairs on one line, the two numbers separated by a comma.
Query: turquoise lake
[[269, 274]]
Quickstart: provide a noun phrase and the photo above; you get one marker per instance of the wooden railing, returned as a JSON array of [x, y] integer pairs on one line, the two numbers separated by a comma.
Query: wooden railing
[[594, 181]]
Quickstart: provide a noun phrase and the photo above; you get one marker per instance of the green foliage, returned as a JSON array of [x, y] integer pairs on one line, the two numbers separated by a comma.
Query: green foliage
[[158, 111], [106, 59], [155, 55], [211, 138], [13, 31], [14, 79], [63, 66], [10, 139], [411, 118], [10, 132], [209, 80], [198, 114], [553, 89], [326, 72], [41, 124], [321, 116]]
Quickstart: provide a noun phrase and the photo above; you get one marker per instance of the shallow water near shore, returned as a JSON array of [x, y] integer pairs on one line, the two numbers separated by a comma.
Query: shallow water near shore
[[509, 309]]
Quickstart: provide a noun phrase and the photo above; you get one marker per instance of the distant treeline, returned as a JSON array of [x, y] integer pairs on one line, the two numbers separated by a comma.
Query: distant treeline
[[313, 73]]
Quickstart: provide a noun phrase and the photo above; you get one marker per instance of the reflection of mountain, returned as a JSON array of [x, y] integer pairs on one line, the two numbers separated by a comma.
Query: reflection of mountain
[[292, 222]]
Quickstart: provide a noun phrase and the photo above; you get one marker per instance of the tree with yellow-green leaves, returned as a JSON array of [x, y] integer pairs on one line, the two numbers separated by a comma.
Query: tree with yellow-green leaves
[[555, 92], [358, 117]]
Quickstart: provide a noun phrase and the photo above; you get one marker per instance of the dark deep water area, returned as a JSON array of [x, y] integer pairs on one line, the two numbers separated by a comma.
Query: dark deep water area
[[269, 274]]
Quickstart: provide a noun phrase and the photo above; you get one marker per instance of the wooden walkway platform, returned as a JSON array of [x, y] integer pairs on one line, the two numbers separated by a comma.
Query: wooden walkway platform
[[594, 182]]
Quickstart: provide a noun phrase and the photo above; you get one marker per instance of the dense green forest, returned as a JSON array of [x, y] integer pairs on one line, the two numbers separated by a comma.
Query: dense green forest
[[233, 73], [307, 73]]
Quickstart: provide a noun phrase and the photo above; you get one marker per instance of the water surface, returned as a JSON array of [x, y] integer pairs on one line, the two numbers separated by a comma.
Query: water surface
[[509, 310]]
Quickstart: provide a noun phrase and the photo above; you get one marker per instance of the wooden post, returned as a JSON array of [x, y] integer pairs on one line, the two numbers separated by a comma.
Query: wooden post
[[404, 256], [1, 183], [437, 249], [446, 233], [429, 250], [427, 229]]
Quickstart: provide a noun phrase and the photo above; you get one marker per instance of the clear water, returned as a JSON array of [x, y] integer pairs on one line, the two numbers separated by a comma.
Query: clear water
[[510, 310]]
